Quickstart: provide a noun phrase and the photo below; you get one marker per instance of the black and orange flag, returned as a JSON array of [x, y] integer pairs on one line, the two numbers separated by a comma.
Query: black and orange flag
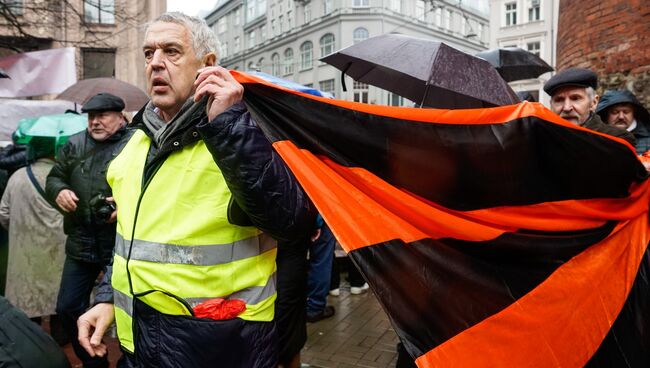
[[502, 237]]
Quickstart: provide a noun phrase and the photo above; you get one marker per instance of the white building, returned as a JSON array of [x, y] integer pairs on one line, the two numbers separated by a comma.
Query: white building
[[530, 25], [286, 38]]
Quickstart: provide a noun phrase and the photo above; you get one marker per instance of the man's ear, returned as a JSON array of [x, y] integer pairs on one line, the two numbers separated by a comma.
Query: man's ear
[[210, 59], [594, 103]]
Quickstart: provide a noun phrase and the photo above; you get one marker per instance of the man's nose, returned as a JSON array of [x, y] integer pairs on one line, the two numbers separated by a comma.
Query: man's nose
[[567, 106], [157, 60]]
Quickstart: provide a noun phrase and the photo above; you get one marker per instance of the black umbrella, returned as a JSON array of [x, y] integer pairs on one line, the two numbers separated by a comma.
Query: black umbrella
[[514, 63], [427, 72]]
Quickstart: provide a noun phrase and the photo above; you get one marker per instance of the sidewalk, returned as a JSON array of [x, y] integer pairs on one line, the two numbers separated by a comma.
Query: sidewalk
[[359, 335]]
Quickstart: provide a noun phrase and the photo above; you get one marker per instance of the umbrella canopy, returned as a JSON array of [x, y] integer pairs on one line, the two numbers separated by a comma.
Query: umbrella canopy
[[426, 72], [58, 127], [290, 85], [82, 91], [514, 63]]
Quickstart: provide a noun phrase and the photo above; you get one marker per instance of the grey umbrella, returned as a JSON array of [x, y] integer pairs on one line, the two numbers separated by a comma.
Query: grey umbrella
[[427, 72], [82, 91], [514, 63]]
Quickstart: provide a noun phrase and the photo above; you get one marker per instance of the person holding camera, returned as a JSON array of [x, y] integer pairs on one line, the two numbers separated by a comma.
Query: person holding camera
[[77, 184]]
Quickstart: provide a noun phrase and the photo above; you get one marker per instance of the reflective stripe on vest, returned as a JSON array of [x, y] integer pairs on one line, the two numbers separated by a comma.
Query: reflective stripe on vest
[[183, 243]]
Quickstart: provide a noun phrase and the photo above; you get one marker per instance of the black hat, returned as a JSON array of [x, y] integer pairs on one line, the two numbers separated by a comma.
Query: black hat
[[571, 77], [103, 102]]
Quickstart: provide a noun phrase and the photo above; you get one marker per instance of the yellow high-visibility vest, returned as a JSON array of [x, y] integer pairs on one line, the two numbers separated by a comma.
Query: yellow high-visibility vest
[[177, 239]]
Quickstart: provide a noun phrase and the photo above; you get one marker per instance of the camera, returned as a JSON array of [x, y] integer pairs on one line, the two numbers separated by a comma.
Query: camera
[[101, 208]]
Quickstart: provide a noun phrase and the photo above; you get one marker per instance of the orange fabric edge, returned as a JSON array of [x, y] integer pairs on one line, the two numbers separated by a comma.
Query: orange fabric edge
[[563, 321], [494, 115], [380, 212]]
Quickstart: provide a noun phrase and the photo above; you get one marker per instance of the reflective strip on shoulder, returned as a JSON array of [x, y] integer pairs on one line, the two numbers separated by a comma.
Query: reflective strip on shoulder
[[199, 255], [250, 295]]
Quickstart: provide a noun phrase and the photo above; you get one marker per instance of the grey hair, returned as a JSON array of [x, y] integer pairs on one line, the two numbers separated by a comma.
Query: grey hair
[[590, 93], [204, 40]]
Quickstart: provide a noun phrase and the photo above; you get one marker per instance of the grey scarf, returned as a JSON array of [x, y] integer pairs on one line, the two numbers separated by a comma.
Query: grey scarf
[[162, 130]]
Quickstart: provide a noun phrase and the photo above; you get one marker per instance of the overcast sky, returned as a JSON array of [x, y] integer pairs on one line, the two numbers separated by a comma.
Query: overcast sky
[[191, 7]]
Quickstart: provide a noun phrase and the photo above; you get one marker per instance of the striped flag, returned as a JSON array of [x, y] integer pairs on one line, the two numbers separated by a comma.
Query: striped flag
[[502, 237]]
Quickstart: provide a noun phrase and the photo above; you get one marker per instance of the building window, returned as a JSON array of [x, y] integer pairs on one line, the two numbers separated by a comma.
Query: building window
[[327, 86], [261, 7], [288, 61], [289, 25], [98, 63], [280, 24], [275, 64], [533, 47], [224, 50], [360, 34], [260, 65], [360, 92], [419, 9], [99, 11], [237, 15], [511, 14], [222, 25], [438, 17], [307, 13], [306, 55], [326, 44], [251, 39], [263, 33], [360, 3], [250, 10], [251, 67], [14, 6], [237, 45], [395, 5], [327, 6], [534, 11], [274, 29], [447, 20], [395, 100]]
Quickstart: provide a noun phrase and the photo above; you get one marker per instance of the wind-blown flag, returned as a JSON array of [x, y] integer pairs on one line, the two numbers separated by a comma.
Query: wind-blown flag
[[501, 237]]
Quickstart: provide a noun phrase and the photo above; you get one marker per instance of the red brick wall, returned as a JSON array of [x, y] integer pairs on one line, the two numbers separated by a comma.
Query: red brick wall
[[610, 37]]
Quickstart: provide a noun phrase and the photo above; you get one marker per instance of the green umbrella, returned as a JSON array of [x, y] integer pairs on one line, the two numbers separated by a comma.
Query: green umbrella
[[55, 127]]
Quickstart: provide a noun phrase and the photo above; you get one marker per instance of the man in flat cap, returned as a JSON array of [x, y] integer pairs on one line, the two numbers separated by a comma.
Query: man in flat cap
[[574, 98], [622, 110], [77, 184]]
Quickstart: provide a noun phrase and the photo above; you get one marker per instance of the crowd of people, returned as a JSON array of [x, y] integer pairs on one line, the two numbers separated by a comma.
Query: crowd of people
[[207, 247]]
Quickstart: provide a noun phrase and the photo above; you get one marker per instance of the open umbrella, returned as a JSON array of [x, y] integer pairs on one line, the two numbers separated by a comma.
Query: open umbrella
[[82, 91], [58, 127], [514, 63], [427, 72]]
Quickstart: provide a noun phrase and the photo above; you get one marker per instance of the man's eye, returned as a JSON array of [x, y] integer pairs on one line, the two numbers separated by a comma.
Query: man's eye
[[148, 54], [171, 51]]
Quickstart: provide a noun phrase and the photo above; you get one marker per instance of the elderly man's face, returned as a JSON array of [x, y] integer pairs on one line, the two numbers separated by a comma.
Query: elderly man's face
[[621, 115], [170, 66], [102, 125], [573, 104]]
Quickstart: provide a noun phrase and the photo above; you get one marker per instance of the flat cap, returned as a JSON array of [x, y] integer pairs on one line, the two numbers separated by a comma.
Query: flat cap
[[571, 77], [103, 102]]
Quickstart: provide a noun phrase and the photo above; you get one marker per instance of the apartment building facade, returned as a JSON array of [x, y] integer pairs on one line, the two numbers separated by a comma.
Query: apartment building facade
[[286, 38], [107, 34], [530, 25]]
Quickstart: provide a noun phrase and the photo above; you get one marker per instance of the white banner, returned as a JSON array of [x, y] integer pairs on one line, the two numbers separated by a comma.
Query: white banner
[[39, 72]]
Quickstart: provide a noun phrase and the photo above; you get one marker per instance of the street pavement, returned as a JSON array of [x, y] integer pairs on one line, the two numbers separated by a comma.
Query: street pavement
[[358, 335]]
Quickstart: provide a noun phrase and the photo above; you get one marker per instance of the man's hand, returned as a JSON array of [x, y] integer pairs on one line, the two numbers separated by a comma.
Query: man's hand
[[67, 200], [221, 88], [95, 321], [113, 217]]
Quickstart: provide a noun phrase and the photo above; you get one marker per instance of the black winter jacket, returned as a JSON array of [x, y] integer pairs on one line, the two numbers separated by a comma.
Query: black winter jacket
[[641, 114], [81, 167]]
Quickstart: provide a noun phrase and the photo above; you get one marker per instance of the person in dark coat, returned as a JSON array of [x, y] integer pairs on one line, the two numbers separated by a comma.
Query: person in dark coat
[[622, 110], [77, 184], [573, 97], [202, 198]]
